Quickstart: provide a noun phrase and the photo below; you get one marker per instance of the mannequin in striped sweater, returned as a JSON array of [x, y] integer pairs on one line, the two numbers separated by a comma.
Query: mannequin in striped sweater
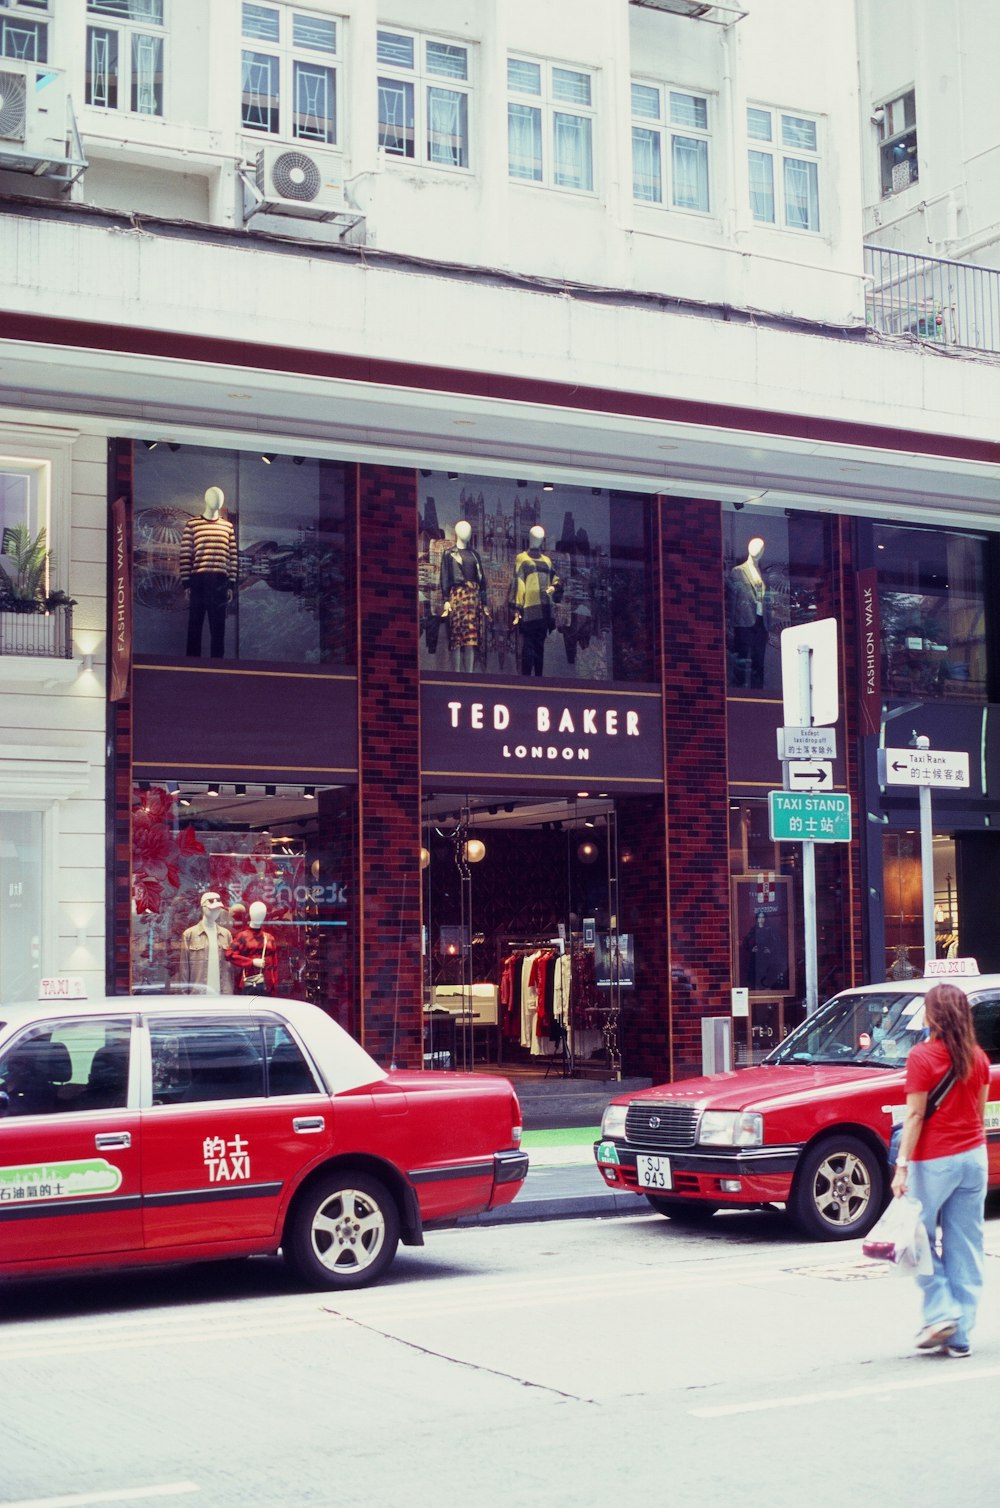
[[208, 572]]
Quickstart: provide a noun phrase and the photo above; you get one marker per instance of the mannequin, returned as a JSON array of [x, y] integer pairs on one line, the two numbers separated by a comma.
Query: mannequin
[[204, 968], [463, 588], [748, 616], [208, 572], [534, 590], [254, 955]]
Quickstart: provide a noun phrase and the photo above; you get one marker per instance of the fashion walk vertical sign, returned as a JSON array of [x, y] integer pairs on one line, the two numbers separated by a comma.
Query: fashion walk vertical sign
[[121, 603], [869, 653]]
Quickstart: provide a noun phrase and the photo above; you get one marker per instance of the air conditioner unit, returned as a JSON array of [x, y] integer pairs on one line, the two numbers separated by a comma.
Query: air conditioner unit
[[34, 116], [303, 185]]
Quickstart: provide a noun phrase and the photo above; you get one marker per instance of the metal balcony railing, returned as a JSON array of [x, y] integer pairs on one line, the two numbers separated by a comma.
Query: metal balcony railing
[[952, 303], [46, 635]]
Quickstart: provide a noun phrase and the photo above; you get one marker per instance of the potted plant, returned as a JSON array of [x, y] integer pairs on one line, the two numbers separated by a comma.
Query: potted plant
[[25, 573]]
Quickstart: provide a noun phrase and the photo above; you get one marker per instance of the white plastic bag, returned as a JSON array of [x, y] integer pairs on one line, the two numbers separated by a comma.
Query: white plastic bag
[[900, 1237]]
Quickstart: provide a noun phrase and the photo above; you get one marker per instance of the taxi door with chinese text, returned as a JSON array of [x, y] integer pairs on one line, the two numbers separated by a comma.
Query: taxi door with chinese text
[[69, 1142], [218, 1152]]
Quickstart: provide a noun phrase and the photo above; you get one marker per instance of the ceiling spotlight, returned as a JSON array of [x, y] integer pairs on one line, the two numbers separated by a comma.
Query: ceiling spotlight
[[298, 460], [270, 790], [520, 484], [309, 793], [453, 476], [425, 473], [267, 457], [548, 486], [240, 790], [184, 801], [172, 445], [595, 491], [150, 444], [213, 790], [589, 822], [509, 806], [739, 507]]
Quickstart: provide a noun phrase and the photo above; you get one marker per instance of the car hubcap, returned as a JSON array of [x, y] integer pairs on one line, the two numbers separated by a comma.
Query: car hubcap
[[841, 1189], [348, 1231]]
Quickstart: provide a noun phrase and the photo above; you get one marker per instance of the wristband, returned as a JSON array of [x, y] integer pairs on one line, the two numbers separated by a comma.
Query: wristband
[[902, 1162]]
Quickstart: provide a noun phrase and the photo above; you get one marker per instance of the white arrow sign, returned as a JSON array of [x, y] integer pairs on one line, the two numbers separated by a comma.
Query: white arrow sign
[[808, 775]]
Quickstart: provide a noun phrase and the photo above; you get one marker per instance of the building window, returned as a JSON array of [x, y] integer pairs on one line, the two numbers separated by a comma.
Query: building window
[[784, 168], [125, 61], [423, 99], [670, 138], [550, 124], [22, 34], [289, 72], [932, 609], [897, 130]]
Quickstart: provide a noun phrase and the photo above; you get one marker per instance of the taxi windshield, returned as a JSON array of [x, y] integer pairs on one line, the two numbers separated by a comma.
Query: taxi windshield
[[871, 1028]]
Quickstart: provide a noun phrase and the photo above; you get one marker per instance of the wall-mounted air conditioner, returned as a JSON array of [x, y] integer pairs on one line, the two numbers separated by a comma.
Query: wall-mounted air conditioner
[[38, 132], [722, 13], [303, 185]]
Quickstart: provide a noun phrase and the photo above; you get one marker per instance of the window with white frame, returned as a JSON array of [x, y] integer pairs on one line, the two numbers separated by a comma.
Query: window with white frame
[[670, 139], [23, 34], [126, 40], [550, 124], [784, 168], [289, 72], [897, 130], [423, 99]]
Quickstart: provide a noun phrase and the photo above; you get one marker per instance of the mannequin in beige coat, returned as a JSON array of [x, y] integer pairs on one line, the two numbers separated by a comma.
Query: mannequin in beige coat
[[204, 968]]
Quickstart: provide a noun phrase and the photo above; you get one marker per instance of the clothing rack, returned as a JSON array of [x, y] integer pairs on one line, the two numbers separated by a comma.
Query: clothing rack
[[511, 944]]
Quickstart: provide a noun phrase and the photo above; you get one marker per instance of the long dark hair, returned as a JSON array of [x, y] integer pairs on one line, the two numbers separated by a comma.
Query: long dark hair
[[952, 1022]]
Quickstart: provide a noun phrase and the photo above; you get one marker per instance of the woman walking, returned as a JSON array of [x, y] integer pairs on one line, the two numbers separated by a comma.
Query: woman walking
[[942, 1162]]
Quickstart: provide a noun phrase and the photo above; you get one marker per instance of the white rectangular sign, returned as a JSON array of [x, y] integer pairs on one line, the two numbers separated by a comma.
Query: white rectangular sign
[[808, 775], [807, 743], [937, 767], [945, 968], [820, 639]]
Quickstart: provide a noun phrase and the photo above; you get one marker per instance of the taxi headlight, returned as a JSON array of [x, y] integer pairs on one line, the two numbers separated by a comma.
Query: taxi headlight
[[613, 1121], [731, 1128]]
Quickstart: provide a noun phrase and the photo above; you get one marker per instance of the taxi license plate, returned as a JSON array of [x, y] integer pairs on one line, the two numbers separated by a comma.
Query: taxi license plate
[[653, 1172]]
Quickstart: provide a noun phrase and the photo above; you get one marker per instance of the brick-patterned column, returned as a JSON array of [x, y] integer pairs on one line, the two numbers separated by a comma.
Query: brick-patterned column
[[642, 888], [391, 1019], [692, 638], [118, 772]]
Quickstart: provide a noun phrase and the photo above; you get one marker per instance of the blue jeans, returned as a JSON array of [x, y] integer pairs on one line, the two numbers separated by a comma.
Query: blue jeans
[[952, 1193]]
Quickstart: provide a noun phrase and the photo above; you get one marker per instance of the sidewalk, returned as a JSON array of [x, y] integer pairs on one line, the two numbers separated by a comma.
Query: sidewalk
[[562, 1182]]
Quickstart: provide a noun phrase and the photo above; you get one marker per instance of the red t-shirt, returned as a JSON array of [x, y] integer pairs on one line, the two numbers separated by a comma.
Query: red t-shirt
[[956, 1125]]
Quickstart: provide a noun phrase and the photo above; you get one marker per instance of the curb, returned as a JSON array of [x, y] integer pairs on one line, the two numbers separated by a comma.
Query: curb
[[581, 1205]]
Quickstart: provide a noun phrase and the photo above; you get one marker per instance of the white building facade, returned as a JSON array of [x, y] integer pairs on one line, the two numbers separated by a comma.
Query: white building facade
[[610, 247]]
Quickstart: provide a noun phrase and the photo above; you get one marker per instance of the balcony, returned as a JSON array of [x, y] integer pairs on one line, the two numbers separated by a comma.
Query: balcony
[[46, 634], [950, 303]]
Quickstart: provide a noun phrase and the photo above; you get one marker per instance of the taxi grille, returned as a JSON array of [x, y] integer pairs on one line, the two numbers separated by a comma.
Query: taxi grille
[[661, 1126]]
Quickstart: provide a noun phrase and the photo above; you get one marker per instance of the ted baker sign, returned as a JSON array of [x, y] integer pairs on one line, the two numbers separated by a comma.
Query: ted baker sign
[[567, 732]]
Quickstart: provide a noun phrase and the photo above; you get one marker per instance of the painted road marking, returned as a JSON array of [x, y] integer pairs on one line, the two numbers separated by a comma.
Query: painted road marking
[[838, 1395], [113, 1495]]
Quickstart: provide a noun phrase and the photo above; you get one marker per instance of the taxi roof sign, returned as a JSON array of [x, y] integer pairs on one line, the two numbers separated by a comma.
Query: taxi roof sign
[[62, 987], [948, 968]]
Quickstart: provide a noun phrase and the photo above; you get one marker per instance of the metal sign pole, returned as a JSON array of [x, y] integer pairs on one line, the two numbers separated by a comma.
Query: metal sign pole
[[921, 741], [808, 850]]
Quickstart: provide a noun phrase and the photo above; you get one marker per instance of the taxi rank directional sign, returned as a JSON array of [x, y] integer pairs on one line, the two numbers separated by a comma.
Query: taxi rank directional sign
[[819, 818], [937, 767]]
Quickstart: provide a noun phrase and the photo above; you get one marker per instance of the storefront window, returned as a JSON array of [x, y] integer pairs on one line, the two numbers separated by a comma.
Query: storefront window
[[229, 884], [20, 905], [767, 931], [527, 581], [932, 605], [902, 889], [238, 556], [774, 569]]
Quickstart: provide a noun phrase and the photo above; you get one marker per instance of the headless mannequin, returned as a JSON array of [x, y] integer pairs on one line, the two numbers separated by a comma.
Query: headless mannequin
[[463, 588], [204, 964], [208, 572], [254, 951], [747, 601], [535, 587]]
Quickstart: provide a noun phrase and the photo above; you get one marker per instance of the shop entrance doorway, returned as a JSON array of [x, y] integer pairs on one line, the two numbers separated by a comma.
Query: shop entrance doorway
[[527, 963]]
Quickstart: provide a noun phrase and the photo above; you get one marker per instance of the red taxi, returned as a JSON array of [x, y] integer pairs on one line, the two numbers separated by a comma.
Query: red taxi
[[808, 1128], [155, 1129]]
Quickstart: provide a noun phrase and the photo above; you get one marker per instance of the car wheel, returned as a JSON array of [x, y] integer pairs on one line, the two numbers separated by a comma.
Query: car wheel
[[681, 1211], [343, 1232], [838, 1191]]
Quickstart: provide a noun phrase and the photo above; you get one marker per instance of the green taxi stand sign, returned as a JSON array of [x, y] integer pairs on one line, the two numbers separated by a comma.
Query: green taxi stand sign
[[820, 817]]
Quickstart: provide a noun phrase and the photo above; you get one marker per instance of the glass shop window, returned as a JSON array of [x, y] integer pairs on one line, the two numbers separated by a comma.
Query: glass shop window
[[932, 604], [776, 570], [528, 580], [238, 556], [243, 891]]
